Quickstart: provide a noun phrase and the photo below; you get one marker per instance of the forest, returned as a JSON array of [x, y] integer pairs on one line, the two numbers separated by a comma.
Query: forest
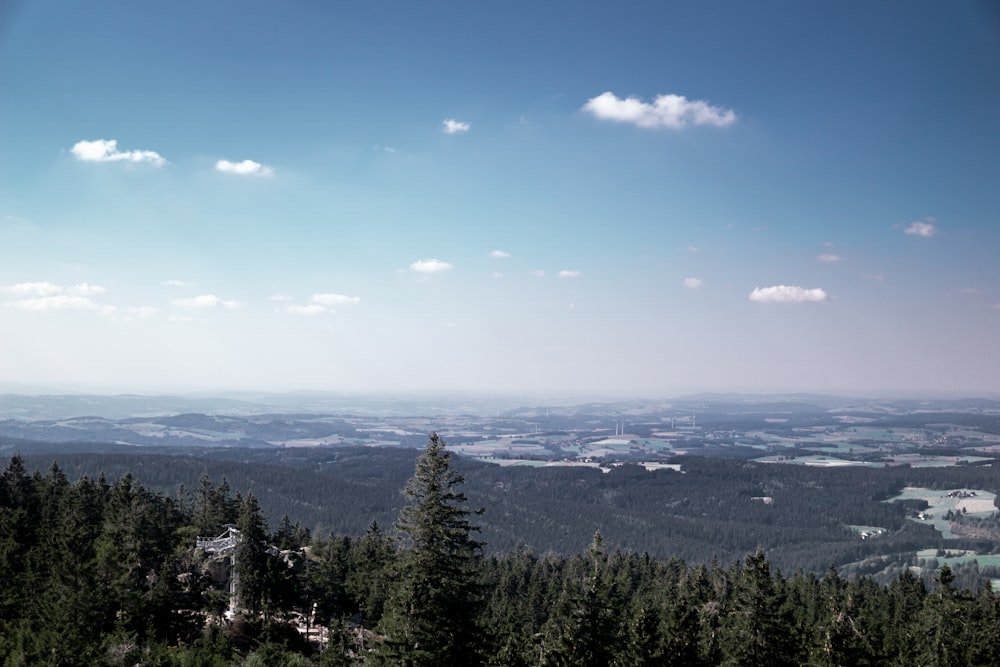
[[711, 509], [105, 571]]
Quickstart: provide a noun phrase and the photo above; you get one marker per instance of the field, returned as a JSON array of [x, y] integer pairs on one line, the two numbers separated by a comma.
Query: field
[[940, 502]]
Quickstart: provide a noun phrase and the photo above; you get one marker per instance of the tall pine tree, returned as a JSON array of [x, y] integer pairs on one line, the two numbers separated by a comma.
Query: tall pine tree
[[251, 558], [430, 616]]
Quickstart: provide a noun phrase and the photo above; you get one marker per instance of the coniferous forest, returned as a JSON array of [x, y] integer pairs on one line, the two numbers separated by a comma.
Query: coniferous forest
[[107, 572]]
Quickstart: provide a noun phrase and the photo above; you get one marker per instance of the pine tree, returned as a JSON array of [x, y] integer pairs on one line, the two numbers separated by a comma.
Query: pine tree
[[755, 631], [943, 624], [251, 562], [588, 618], [367, 581], [430, 616]]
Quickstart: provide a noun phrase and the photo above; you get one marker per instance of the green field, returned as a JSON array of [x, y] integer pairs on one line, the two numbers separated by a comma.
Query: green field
[[982, 504]]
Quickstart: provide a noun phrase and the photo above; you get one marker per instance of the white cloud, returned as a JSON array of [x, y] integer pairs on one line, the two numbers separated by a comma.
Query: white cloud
[[693, 248], [500, 254], [692, 283], [452, 126], [179, 283], [106, 150], [311, 309], [567, 273], [86, 289], [43, 289], [538, 273], [921, 229], [59, 302], [319, 304], [137, 312], [787, 294], [205, 301], [244, 168], [497, 274], [430, 266], [31, 289], [828, 258], [42, 296], [673, 111], [334, 299], [130, 313]]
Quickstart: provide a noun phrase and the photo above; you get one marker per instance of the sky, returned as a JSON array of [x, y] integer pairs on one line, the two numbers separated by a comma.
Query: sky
[[635, 198]]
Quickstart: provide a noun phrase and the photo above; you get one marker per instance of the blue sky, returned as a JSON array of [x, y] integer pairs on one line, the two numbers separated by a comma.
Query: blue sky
[[644, 198]]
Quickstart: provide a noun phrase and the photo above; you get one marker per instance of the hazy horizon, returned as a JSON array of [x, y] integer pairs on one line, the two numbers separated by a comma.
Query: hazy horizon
[[653, 199], [528, 395]]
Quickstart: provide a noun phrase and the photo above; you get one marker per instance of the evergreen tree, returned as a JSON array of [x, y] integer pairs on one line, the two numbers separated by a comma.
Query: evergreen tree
[[644, 644], [430, 616], [18, 526], [943, 625], [368, 576], [755, 632], [251, 560], [839, 637], [589, 629], [905, 602]]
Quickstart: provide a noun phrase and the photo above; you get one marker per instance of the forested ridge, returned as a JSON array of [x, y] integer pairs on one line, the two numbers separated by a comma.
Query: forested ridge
[[714, 508], [102, 572]]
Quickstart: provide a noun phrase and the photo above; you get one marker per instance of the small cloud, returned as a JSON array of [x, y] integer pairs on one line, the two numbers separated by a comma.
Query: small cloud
[[828, 258], [693, 248], [497, 274], [787, 294], [918, 228], [430, 266], [571, 306], [538, 273], [566, 273], [86, 289], [310, 310], [874, 277], [452, 126], [178, 283], [500, 254], [692, 283], [281, 297], [334, 299], [131, 313], [139, 312], [205, 301], [244, 168], [31, 289], [106, 150], [968, 290], [672, 111]]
